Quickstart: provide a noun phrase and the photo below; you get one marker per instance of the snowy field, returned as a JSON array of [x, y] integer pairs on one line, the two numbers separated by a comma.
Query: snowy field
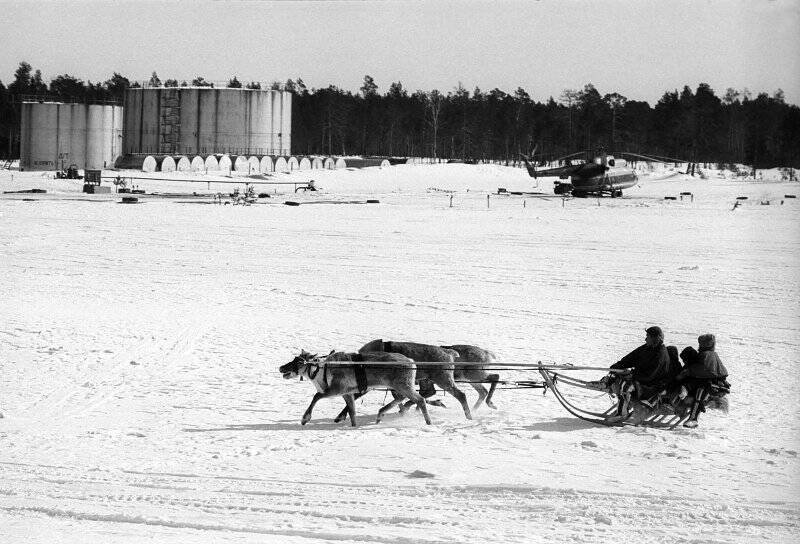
[[139, 348]]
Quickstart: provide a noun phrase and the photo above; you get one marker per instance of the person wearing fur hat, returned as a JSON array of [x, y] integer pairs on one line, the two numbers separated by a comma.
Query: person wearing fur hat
[[650, 368], [703, 374]]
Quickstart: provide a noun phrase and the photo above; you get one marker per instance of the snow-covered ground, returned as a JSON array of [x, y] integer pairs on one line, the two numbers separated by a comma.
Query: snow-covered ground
[[139, 347]]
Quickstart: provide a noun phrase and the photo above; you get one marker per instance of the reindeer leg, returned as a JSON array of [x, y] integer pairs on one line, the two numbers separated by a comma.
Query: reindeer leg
[[343, 414], [449, 385], [409, 403], [419, 400], [398, 399], [494, 378], [351, 409], [482, 394], [307, 415]]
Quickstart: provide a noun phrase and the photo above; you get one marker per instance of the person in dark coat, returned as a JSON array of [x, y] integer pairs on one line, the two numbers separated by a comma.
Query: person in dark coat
[[707, 365], [650, 362], [689, 356], [651, 368], [703, 374]]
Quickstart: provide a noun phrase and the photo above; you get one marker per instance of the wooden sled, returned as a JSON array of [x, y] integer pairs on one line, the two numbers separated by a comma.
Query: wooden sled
[[640, 415]]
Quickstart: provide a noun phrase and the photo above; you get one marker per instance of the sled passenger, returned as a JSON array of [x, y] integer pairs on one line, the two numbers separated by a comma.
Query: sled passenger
[[650, 364], [703, 376]]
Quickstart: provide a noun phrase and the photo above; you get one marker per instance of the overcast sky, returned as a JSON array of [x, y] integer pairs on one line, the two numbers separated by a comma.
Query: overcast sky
[[639, 48]]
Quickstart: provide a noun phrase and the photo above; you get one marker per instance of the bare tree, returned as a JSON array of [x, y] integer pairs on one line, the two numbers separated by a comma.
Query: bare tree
[[433, 110]]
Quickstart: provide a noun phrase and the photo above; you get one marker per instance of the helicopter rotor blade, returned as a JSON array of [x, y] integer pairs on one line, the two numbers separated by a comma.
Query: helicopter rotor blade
[[653, 158]]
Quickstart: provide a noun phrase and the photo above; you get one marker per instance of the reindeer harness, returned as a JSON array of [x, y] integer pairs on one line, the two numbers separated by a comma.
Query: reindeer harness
[[359, 370]]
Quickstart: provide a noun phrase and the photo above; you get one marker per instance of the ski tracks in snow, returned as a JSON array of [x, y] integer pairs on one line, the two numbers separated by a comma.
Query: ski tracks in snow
[[106, 501]]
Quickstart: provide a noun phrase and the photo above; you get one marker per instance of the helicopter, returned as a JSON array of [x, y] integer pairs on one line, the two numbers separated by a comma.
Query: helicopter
[[602, 175]]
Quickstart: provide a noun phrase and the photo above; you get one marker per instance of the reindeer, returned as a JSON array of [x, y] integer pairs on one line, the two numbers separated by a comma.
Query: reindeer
[[441, 375], [347, 381], [475, 372]]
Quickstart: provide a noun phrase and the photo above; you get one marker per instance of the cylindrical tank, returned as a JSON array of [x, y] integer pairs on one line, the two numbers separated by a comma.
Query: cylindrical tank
[[94, 140], [253, 164], [317, 163], [225, 163], [212, 164], [275, 126], [265, 167], [340, 164], [281, 164], [286, 123], [329, 163], [149, 124], [131, 124], [292, 163], [198, 164], [166, 164], [149, 164], [188, 140], [241, 164], [55, 135], [77, 124], [305, 163], [259, 112], [183, 164], [206, 120]]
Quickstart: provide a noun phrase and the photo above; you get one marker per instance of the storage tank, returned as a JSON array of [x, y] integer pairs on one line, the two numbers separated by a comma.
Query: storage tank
[[281, 165], [241, 164], [266, 164], [149, 164], [286, 123], [212, 164], [183, 164], [206, 120], [305, 163], [275, 125], [225, 163], [166, 164], [198, 164], [253, 165], [55, 135]]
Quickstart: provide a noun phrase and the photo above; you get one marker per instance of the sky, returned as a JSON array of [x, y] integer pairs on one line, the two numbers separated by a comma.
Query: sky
[[638, 48]]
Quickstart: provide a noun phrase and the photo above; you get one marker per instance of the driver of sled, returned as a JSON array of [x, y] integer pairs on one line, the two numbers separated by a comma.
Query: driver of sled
[[650, 367]]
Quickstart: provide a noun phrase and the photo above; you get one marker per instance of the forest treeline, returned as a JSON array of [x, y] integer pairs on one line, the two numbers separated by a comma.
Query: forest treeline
[[694, 125]]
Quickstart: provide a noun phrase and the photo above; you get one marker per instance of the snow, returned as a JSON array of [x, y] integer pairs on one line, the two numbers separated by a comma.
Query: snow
[[140, 344]]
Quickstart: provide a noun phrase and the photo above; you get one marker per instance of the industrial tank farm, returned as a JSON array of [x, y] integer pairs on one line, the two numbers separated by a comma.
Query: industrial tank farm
[[203, 121], [55, 135]]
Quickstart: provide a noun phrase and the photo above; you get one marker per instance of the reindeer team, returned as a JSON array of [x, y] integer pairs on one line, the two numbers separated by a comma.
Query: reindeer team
[[391, 366]]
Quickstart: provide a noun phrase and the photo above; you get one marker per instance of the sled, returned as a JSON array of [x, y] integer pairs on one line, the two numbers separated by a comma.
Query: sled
[[640, 414]]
